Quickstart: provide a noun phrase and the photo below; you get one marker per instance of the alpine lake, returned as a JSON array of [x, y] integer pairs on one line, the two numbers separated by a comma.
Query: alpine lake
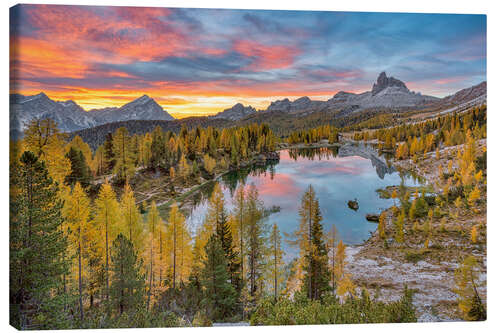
[[337, 176]]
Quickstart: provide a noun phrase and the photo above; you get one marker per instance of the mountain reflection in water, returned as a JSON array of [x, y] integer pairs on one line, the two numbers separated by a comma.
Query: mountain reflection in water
[[337, 175]]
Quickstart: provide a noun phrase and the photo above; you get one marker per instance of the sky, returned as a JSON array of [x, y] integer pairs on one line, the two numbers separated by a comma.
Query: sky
[[201, 61]]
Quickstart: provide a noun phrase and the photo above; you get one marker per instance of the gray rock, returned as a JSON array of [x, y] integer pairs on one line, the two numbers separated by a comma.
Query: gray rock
[[238, 111], [69, 116]]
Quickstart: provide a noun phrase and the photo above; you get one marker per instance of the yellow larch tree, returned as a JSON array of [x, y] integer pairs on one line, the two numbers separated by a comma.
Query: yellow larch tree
[[178, 244], [238, 219], [42, 137], [208, 163], [107, 220], [154, 225], [381, 225], [76, 212], [474, 196], [331, 242], [343, 279], [132, 224], [276, 263], [125, 160], [215, 211], [98, 162], [183, 167], [473, 234], [466, 284]]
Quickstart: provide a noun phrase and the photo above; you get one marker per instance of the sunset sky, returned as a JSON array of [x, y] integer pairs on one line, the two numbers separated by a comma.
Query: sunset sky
[[201, 61]]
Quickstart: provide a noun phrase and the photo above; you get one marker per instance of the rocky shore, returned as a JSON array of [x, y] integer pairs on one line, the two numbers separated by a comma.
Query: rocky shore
[[385, 268]]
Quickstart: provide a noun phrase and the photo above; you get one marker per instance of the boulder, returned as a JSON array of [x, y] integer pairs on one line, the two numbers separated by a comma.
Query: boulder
[[372, 217], [353, 204]]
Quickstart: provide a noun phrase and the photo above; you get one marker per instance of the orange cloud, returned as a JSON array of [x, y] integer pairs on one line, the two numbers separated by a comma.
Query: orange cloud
[[38, 58], [117, 34]]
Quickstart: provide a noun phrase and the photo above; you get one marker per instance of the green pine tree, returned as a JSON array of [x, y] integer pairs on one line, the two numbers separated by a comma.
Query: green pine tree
[[127, 282], [37, 247], [80, 171], [109, 155], [317, 277], [219, 295]]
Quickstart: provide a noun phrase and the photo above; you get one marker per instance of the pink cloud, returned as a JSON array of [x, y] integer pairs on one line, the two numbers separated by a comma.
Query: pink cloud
[[281, 185], [266, 56]]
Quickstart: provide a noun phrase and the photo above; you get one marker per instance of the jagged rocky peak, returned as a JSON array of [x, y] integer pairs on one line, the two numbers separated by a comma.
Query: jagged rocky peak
[[38, 97], [141, 100], [303, 99], [383, 82], [238, 107], [279, 105], [342, 96], [236, 112], [70, 116], [69, 103]]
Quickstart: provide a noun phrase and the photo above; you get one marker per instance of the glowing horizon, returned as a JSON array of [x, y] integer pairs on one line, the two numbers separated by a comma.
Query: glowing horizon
[[202, 61]]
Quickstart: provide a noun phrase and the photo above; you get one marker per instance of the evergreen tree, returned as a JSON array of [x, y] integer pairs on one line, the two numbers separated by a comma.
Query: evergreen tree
[[217, 222], [317, 276], [37, 247], [314, 259], [127, 283], [80, 171], [98, 165], [109, 155], [157, 148], [78, 144], [219, 295]]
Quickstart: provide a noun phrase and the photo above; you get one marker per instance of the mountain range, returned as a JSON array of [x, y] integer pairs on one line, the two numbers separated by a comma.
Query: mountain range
[[72, 117], [386, 93]]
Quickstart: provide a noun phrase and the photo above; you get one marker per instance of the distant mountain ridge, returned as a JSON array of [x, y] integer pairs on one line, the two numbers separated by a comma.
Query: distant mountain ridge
[[467, 94], [236, 112], [72, 117], [386, 93]]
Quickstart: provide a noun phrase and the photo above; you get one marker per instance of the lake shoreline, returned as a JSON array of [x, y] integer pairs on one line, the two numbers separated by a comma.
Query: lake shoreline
[[371, 264]]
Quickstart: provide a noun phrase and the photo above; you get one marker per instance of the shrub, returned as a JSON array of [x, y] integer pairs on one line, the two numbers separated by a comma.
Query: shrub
[[364, 309]]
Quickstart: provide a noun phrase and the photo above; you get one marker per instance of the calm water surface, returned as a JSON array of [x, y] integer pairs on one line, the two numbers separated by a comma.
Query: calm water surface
[[335, 180]]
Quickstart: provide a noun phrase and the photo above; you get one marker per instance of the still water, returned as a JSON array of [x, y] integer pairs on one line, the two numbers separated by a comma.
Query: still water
[[335, 180]]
